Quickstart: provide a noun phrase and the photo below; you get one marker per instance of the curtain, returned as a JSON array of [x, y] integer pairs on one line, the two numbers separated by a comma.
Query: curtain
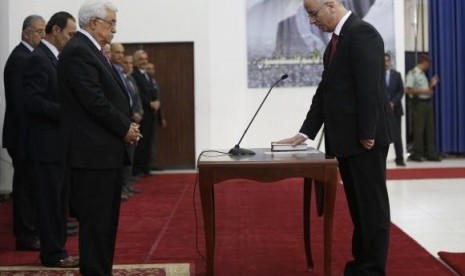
[[447, 50]]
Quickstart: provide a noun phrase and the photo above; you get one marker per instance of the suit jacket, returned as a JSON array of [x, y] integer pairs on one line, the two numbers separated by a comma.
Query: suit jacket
[[351, 99], [95, 109], [395, 91], [147, 91], [43, 139], [13, 77], [159, 112], [134, 89]]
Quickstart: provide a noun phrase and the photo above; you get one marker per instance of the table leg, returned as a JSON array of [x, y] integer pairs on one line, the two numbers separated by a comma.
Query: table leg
[[319, 197], [330, 197], [307, 200], [208, 208]]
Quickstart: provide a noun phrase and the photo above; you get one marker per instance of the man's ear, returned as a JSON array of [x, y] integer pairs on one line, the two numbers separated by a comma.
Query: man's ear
[[26, 35], [56, 29]]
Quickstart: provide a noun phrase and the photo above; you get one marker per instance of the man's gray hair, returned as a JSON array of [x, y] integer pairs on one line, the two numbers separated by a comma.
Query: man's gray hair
[[94, 8], [28, 21]]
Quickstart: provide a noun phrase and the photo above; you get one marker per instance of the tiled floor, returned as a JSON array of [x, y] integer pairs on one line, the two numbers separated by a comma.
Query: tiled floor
[[431, 211]]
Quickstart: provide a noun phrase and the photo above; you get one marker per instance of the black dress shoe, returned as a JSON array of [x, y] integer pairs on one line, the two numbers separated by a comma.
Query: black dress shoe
[[124, 197], [71, 231], [434, 157], [71, 224], [28, 246], [416, 158], [133, 190], [68, 262], [400, 163]]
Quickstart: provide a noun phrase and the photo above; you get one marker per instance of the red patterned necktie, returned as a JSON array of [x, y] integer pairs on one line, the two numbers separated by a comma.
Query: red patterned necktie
[[334, 39]]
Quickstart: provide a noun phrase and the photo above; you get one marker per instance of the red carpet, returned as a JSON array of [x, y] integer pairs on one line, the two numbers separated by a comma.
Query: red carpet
[[259, 231], [425, 173], [455, 260]]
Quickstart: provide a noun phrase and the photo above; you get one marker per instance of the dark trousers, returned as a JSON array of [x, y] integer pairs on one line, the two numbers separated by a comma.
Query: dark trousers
[[364, 178], [24, 201], [52, 209], [423, 129], [128, 177], [143, 151], [398, 140], [96, 196]]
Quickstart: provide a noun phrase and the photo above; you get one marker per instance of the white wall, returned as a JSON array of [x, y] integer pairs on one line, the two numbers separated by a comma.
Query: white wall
[[5, 160], [223, 103]]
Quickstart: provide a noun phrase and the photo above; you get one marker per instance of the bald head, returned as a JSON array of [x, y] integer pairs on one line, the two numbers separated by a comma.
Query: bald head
[[117, 53], [107, 50]]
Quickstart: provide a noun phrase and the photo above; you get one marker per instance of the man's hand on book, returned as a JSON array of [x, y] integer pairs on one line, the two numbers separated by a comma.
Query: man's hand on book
[[294, 140]]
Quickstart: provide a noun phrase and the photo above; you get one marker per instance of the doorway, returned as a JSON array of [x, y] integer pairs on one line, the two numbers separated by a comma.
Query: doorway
[[173, 146]]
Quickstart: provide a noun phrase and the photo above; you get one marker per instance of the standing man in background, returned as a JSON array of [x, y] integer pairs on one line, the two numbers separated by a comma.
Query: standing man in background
[[151, 72], [117, 57], [97, 128], [395, 92], [424, 145], [44, 146], [24, 212], [128, 66], [150, 105], [159, 120], [351, 102]]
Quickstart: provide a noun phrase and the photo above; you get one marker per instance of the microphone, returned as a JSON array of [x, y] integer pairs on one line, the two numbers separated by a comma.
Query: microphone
[[237, 150]]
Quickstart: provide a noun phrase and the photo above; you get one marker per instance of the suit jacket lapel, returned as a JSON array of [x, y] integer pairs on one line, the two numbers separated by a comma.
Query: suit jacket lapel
[[102, 59], [340, 41], [391, 75], [109, 67], [49, 54]]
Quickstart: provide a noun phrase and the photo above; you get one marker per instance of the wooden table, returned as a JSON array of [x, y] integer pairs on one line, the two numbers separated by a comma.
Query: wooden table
[[267, 167]]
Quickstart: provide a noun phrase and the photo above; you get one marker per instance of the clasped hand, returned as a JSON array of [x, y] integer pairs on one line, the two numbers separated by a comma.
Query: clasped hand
[[133, 135], [155, 105]]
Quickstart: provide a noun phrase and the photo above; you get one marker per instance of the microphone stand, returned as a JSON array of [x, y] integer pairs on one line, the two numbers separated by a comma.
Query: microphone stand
[[237, 150]]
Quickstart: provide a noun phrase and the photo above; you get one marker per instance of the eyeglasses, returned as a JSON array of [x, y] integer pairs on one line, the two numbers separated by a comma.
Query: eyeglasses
[[314, 14], [111, 23], [40, 32]]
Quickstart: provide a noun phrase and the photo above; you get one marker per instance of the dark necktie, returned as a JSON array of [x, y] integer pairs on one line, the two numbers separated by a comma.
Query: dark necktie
[[130, 90], [334, 39], [126, 85]]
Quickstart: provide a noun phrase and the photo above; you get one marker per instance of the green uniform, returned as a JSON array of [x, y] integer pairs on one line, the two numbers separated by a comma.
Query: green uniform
[[423, 117]]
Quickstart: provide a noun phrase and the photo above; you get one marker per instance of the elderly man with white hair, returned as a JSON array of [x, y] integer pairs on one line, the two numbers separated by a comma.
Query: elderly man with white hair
[[97, 130]]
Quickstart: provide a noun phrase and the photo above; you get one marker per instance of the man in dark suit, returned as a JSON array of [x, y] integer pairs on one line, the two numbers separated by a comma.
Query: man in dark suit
[[395, 92], [159, 117], [150, 105], [117, 57], [44, 144], [151, 72], [97, 128], [351, 102], [24, 219]]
